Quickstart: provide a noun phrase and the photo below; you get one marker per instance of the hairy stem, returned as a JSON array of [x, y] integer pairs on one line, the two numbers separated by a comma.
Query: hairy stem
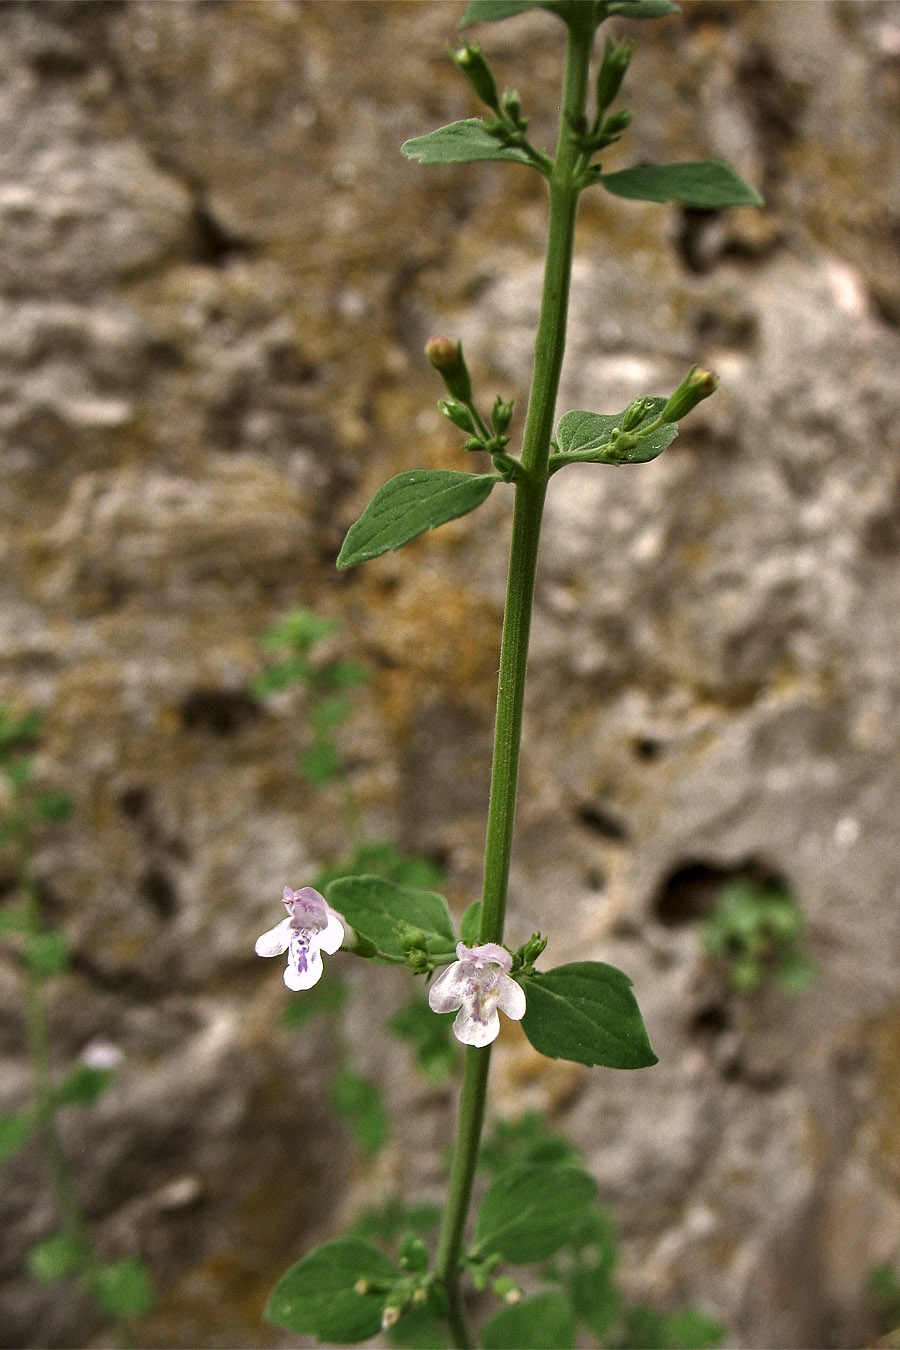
[[530, 491]]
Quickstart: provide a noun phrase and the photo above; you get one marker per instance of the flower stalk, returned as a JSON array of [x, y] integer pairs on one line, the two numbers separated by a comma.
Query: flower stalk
[[530, 490]]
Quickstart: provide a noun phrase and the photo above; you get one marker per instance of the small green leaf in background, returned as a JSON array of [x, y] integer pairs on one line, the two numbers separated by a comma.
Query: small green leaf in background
[[123, 1288], [84, 1086], [47, 953], [280, 676], [342, 674], [15, 1127], [318, 1296], [641, 9], [52, 806], [488, 11], [17, 729], [321, 763], [382, 858], [360, 1101], [687, 1329], [524, 1139], [14, 919], [529, 1212], [376, 908], [707, 184], [328, 996], [589, 437], [328, 713], [462, 143], [55, 1256], [545, 1322], [387, 1221], [410, 504], [589, 1274], [586, 1012], [470, 923], [430, 1038], [301, 628]]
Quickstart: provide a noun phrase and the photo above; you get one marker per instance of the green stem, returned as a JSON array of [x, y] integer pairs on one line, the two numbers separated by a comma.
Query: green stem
[[530, 490]]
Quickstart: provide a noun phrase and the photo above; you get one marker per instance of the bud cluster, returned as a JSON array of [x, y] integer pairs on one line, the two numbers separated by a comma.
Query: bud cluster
[[446, 356]]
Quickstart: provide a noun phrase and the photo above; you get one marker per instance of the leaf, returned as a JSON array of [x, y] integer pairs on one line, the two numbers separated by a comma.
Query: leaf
[[15, 1127], [380, 910], [123, 1288], [318, 1295], [462, 143], [83, 1086], [410, 504], [54, 1256], [360, 1100], [641, 9], [419, 1329], [429, 1036], [545, 1322], [529, 1211], [586, 1012], [47, 953], [525, 1139], [52, 806], [707, 184], [488, 11], [588, 437], [320, 764], [470, 923]]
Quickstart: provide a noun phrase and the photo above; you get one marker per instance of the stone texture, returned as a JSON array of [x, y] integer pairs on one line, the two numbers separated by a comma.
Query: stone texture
[[216, 279]]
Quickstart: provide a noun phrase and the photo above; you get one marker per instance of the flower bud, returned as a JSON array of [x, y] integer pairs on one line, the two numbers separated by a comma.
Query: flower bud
[[458, 414], [634, 414], [447, 358], [501, 415], [512, 106], [613, 126], [616, 60], [472, 63], [694, 388], [507, 1289], [361, 1287], [390, 1317], [413, 1253]]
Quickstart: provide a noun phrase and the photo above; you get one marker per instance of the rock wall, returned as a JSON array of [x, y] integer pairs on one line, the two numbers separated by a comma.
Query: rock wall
[[216, 278]]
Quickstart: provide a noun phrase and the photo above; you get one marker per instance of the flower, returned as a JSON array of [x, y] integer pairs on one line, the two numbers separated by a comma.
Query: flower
[[309, 929], [477, 984]]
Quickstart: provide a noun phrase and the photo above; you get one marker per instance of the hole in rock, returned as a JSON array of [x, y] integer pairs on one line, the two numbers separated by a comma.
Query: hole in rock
[[221, 711], [690, 891], [599, 820], [159, 893]]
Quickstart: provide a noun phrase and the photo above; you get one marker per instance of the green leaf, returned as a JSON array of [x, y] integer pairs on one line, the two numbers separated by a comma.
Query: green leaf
[[708, 184], [525, 1139], [419, 1329], [430, 1037], [83, 1086], [123, 1288], [641, 9], [586, 1012], [360, 1101], [328, 996], [47, 953], [388, 1220], [14, 919], [376, 909], [488, 11], [462, 143], [529, 1211], [410, 504], [14, 730], [318, 1296], [470, 923], [300, 629], [328, 713], [688, 1329], [15, 1127], [321, 763], [588, 437], [545, 1322], [281, 676], [55, 1256], [342, 674], [52, 806]]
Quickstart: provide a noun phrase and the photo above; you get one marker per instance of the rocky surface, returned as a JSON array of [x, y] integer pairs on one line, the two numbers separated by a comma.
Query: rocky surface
[[216, 278]]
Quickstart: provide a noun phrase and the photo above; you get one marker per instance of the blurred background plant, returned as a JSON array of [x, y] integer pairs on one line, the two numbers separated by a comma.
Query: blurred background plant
[[756, 932], [119, 1288]]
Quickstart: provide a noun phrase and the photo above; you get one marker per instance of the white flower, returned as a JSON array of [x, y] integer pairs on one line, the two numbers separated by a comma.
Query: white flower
[[309, 929], [478, 983]]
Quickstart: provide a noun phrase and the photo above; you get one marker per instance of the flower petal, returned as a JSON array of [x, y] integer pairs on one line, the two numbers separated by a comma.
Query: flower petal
[[304, 969], [333, 935], [275, 941], [511, 998], [448, 990], [473, 1030]]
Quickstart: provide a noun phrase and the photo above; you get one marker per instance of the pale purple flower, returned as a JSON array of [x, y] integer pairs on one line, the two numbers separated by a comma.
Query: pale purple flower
[[478, 983], [310, 928]]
